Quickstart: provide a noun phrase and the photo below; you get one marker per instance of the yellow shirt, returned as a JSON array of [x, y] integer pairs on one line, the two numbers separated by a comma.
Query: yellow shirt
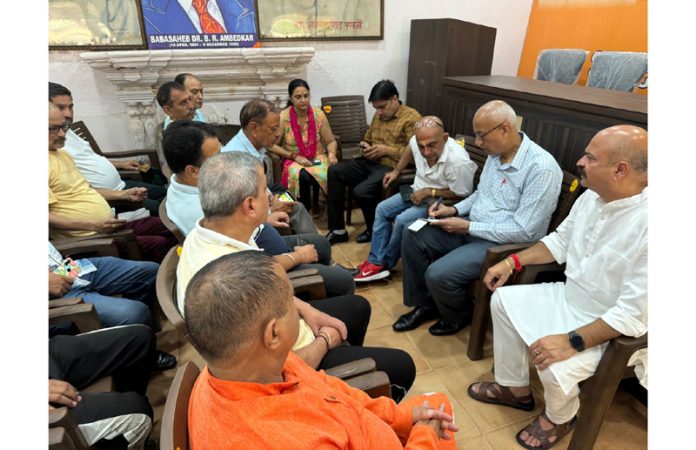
[[202, 246], [70, 195], [394, 133]]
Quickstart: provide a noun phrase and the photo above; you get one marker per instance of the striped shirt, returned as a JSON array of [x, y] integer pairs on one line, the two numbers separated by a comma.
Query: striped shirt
[[394, 133], [514, 202]]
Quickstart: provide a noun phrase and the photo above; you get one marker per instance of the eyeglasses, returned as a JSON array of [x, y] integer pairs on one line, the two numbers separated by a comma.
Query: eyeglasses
[[429, 123], [56, 128], [483, 135]]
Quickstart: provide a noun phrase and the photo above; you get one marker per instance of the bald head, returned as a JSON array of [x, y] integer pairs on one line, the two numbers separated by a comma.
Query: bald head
[[499, 112], [615, 163], [628, 143], [431, 138]]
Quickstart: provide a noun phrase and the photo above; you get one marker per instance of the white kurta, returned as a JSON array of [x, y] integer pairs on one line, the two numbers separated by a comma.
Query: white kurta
[[605, 248]]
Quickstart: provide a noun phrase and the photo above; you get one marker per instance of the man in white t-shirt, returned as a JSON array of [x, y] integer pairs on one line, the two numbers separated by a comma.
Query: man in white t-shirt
[[100, 172], [443, 171]]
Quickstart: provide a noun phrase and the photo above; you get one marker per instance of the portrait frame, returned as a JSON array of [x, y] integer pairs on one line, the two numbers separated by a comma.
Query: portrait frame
[[298, 22], [130, 36]]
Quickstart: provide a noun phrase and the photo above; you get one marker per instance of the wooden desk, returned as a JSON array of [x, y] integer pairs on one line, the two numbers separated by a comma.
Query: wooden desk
[[561, 118]]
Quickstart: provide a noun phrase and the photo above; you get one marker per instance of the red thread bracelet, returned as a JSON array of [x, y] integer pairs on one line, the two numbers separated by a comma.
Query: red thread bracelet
[[516, 259]]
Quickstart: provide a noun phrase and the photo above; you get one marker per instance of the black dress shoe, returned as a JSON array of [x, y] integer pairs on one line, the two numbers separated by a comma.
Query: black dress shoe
[[335, 238], [413, 319], [444, 327], [366, 236], [164, 361]]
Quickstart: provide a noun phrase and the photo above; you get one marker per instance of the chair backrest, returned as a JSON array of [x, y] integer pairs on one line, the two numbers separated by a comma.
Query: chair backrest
[[560, 65], [226, 131], [618, 71], [80, 129], [171, 226], [476, 154], [174, 431], [166, 290], [347, 117], [570, 191]]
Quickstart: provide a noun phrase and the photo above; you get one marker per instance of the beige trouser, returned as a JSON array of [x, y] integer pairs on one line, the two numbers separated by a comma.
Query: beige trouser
[[512, 367]]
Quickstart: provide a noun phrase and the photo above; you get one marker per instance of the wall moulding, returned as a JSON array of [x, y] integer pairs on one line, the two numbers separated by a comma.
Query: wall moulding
[[228, 76]]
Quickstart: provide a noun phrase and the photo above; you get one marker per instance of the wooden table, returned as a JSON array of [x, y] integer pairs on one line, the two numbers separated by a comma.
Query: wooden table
[[562, 118]]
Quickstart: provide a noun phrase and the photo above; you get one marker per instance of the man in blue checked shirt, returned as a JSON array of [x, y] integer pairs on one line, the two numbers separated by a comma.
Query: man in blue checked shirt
[[513, 202]]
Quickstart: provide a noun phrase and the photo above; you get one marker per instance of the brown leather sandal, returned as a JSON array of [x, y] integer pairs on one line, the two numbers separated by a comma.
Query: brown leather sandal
[[501, 396], [534, 429]]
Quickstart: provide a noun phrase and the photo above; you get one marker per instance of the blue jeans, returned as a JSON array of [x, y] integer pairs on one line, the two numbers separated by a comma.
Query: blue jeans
[[391, 217], [134, 280]]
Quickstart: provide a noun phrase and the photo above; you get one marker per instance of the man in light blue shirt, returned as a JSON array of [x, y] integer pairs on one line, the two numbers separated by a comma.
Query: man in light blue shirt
[[260, 123], [513, 202], [187, 145]]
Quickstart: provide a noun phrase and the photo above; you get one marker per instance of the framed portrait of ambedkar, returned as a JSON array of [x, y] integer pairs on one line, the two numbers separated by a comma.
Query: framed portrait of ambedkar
[[321, 19], [95, 24]]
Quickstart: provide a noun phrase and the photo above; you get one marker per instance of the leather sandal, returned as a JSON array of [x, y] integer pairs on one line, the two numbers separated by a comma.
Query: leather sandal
[[501, 396], [534, 429]]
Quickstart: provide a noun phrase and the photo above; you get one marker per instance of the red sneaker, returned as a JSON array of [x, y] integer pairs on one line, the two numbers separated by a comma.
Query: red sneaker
[[370, 272]]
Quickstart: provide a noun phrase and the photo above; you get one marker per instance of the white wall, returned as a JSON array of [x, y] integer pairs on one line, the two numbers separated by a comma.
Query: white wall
[[338, 68]]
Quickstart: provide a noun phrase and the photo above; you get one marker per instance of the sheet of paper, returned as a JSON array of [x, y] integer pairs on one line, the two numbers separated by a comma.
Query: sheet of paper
[[134, 215], [418, 224]]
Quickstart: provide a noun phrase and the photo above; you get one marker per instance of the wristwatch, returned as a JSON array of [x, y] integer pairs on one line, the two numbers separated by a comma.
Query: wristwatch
[[576, 341]]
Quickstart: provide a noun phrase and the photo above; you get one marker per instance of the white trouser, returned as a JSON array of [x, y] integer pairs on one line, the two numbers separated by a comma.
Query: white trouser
[[512, 367]]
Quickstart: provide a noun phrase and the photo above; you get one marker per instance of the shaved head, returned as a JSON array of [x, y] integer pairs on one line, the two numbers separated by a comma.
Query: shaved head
[[628, 143]]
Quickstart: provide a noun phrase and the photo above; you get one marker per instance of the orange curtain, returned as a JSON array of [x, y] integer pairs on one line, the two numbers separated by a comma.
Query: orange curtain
[[617, 25]]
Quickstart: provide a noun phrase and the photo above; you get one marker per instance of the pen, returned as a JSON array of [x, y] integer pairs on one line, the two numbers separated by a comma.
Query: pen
[[436, 205]]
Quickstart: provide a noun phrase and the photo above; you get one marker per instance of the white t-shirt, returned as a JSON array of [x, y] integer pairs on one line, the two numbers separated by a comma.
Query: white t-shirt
[[454, 170], [98, 171]]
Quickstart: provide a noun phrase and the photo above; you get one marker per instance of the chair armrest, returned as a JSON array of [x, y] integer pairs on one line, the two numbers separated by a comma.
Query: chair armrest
[[134, 175], [302, 273], [314, 285], [375, 384], [529, 274], [127, 235], [64, 301], [60, 419], [105, 384], [353, 368], [83, 315], [58, 438], [130, 154], [102, 246]]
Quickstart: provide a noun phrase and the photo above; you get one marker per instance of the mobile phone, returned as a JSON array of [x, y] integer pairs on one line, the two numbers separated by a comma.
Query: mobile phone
[[316, 162], [285, 197]]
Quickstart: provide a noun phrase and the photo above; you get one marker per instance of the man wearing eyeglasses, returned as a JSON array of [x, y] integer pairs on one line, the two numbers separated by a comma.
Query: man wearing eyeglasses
[[385, 141], [513, 202], [443, 171]]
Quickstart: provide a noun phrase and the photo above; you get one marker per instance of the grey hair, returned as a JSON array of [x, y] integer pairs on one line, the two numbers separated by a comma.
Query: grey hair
[[225, 180], [231, 299], [499, 112]]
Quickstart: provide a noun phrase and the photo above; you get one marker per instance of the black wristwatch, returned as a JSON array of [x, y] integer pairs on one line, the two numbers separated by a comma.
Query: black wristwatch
[[576, 341]]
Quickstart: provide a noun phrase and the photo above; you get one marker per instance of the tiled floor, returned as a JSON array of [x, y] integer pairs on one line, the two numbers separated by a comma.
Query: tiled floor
[[442, 365]]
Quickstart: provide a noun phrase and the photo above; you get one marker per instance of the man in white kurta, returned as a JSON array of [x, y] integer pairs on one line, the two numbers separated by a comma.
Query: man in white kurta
[[603, 243]]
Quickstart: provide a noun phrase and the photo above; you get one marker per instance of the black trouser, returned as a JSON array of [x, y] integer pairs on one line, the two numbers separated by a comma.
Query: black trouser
[[155, 194], [125, 353], [355, 311], [307, 184], [337, 280], [365, 177]]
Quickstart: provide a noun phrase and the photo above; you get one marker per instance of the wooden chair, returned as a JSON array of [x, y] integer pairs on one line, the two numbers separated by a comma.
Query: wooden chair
[[348, 120], [171, 226], [570, 190], [80, 128], [226, 131], [597, 392], [63, 432]]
